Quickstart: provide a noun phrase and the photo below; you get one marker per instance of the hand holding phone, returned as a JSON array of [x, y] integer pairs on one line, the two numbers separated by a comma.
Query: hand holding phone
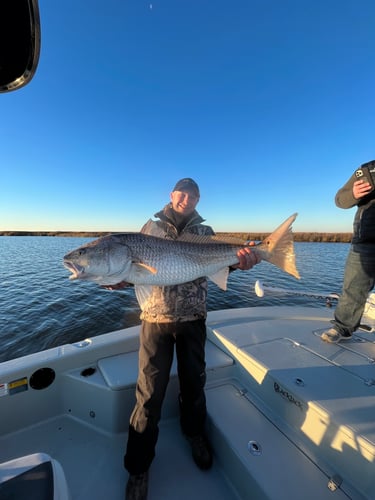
[[366, 184]]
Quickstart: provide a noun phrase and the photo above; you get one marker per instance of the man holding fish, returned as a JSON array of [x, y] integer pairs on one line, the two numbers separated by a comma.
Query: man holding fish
[[169, 262], [172, 316]]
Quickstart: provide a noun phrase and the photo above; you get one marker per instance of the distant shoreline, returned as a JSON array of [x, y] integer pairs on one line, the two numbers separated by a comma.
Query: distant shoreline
[[298, 236]]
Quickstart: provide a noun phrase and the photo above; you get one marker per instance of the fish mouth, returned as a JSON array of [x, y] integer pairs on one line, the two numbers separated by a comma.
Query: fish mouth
[[76, 270]]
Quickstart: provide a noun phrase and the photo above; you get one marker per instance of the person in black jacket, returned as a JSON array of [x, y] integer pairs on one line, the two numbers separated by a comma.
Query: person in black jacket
[[359, 277]]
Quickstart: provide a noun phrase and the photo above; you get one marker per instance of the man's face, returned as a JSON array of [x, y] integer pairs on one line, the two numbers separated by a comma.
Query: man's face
[[184, 202]]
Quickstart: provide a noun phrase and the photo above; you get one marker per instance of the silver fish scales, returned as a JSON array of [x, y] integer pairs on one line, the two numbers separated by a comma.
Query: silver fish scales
[[148, 260]]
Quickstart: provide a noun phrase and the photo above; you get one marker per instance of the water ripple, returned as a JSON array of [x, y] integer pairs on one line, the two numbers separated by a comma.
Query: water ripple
[[40, 308]]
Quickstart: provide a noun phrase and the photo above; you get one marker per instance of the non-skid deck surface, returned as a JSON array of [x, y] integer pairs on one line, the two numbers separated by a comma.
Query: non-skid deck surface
[[94, 470], [321, 394]]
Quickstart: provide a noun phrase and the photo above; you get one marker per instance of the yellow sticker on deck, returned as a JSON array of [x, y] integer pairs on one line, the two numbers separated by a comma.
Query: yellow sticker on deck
[[18, 385]]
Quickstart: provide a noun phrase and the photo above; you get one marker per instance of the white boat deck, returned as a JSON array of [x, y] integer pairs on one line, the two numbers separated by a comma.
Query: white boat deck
[[92, 462], [320, 395], [289, 415]]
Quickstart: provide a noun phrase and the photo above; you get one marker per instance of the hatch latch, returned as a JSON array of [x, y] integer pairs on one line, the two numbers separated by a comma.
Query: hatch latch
[[334, 482]]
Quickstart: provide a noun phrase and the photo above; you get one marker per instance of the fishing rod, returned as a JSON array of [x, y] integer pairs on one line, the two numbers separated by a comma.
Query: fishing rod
[[260, 289]]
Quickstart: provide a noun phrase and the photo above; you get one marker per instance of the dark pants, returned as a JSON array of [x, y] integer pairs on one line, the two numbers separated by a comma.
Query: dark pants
[[157, 341], [359, 280]]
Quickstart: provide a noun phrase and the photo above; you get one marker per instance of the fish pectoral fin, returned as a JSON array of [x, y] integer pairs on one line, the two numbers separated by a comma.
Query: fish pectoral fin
[[144, 267], [220, 278]]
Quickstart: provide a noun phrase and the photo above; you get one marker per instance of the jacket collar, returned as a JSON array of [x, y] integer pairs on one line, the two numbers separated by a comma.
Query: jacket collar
[[167, 215]]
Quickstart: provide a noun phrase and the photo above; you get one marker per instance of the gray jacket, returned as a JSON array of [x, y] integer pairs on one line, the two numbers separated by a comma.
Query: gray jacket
[[177, 303]]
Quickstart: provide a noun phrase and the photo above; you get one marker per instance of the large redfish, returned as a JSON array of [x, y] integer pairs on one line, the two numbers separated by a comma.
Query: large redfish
[[148, 260]]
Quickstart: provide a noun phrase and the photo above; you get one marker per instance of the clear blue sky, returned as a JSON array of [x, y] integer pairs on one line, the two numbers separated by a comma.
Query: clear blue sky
[[268, 104]]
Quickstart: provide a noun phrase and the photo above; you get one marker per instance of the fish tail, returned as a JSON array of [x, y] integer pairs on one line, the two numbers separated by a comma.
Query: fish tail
[[278, 248]]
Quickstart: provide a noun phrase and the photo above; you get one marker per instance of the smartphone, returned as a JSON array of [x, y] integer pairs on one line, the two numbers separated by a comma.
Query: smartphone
[[367, 175]]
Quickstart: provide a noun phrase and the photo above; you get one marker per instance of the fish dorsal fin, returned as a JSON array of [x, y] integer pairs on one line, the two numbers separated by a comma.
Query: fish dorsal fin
[[220, 278], [195, 238], [215, 238]]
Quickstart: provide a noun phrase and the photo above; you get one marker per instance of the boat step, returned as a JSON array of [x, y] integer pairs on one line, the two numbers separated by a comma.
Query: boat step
[[120, 371]]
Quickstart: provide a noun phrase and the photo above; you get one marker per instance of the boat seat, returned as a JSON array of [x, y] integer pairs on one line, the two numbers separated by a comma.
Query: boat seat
[[33, 477], [120, 371]]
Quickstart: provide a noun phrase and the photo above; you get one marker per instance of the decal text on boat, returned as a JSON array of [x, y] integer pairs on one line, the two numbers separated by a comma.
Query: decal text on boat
[[286, 395]]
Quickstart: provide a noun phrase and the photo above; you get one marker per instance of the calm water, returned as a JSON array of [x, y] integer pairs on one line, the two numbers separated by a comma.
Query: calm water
[[40, 308]]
